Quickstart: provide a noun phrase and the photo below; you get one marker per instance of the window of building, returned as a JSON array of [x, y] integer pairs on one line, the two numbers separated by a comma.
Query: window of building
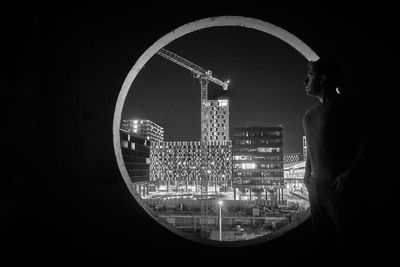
[[124, 144], [248, 166]]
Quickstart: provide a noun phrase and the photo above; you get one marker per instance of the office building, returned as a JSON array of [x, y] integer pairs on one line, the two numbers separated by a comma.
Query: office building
[[144, 128], [136, 155], [294, 176], [258, 162]]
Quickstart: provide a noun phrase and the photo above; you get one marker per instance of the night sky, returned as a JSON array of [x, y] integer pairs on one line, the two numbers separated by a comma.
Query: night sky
[[266, 88]]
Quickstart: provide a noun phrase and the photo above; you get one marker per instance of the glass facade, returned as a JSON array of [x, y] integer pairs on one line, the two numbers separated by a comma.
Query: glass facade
[[257, 158], [136, 155]]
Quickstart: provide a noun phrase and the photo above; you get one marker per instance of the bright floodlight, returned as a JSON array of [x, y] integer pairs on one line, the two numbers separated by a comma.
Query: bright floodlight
[[220, 202]]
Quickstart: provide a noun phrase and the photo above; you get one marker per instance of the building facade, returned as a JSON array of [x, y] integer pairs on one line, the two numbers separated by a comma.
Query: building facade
[[136, 155], [258, 162], [177, 165], [294, 177], [144, 128], [304, 148], [292, 157], [215, 123]]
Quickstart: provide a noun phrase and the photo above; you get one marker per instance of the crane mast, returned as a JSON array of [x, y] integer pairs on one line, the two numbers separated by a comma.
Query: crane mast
[[204, 78]]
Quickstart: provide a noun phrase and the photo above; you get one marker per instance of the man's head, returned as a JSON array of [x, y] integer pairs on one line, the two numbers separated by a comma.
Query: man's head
[[323, 77]]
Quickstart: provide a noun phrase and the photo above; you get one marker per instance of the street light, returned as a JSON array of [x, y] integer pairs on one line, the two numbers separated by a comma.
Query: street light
[[220, 220], [209, 178]]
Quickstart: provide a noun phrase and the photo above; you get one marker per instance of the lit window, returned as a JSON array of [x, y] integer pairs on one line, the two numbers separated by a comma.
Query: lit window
[[223, 103], [124, 144], [264, 149]]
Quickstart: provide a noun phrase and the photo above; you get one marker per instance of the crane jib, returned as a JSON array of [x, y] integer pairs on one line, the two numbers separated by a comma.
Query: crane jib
[[198, 72]]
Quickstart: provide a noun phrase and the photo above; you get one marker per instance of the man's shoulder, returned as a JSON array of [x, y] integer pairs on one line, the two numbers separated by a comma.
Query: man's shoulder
[[309, 114]]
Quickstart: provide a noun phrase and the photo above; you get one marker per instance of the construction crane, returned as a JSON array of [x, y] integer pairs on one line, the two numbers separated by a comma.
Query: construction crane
[[204, 77], [198, 72]]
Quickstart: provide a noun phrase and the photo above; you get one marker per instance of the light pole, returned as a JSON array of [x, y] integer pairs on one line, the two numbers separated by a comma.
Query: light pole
[[209, 178], [220, 220]]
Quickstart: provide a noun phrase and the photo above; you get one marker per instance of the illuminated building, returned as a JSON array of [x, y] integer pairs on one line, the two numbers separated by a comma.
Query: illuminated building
[[294, 176], [215, 126], [304, 148], [151, 132], [136, 155], [144, 128], [292, 157], [258, 161], [177, 164]]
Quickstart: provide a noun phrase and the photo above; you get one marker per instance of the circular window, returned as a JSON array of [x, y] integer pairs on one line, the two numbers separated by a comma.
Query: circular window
[[216, 171]]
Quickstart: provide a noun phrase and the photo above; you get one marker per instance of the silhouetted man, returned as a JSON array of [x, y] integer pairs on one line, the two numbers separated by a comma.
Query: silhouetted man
[[335, 135]]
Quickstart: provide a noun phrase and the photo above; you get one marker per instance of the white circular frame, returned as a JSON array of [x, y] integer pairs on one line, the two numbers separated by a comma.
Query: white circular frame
[[246, 22]]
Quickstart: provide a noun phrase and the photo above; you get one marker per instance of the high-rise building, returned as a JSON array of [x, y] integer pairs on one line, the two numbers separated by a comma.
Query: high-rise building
[[144, 128], [136, 155], [258, 161], [178, 163], [215, 125]]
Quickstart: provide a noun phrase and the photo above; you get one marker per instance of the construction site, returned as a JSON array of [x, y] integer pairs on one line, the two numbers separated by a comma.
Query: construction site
[[227, 186]]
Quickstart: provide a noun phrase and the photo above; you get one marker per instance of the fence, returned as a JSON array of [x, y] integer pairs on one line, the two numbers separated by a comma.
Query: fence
[[195, 203]]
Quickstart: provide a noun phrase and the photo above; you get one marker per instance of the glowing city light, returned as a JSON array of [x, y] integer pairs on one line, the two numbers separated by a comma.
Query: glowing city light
[[223, 102], [249, 166]]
